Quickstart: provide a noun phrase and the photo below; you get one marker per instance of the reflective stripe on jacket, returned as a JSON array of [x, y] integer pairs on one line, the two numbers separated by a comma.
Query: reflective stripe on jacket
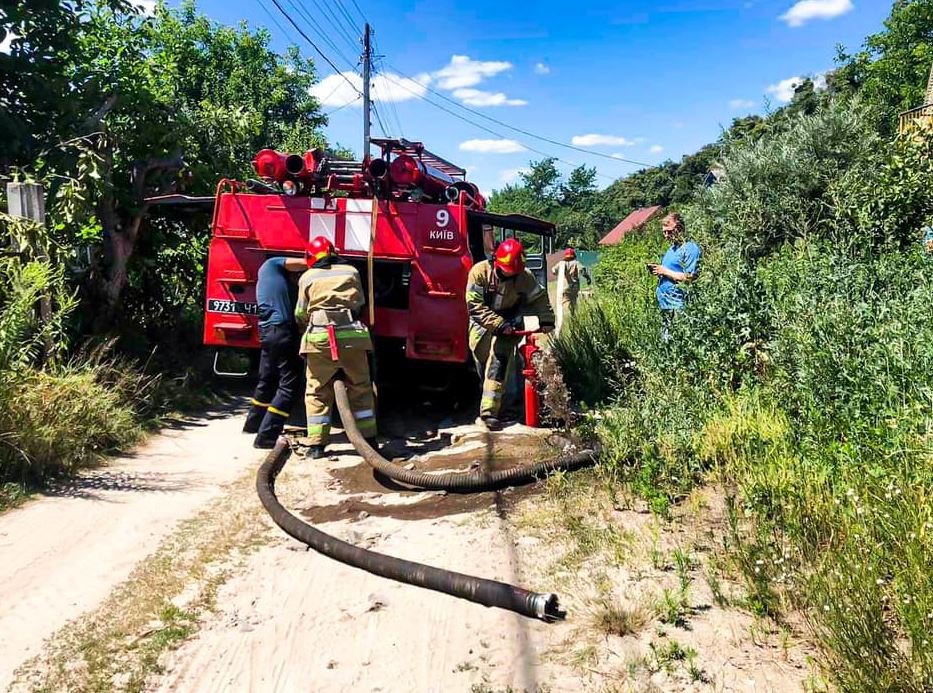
[[334, 288], [493, 301]]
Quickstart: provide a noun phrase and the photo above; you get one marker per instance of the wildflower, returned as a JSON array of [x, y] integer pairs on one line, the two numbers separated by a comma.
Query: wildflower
[[826, 607], [879, 581]]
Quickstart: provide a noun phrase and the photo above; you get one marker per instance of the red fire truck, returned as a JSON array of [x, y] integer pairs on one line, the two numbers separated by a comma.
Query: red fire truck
[[408, 220]]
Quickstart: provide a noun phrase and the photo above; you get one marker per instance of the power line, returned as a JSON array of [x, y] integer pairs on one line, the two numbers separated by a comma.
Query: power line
[[322, 34], [340, 108], [335, 22], [489, 130], [276, 22], [343, 11], [313, 45], [392, 111], [360, 12], [382, 126], [526, 132]]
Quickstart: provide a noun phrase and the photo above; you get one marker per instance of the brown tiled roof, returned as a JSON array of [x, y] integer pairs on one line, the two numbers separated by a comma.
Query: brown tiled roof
[[632, 222]]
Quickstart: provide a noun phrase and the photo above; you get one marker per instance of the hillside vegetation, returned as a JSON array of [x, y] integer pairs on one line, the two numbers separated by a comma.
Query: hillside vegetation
[[800, 376]]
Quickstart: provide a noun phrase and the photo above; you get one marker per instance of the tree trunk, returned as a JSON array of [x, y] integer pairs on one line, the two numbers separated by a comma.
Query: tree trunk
[[122, 244], [121, 233]]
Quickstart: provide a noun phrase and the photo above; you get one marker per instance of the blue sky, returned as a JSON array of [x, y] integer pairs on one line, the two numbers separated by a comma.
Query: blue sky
[[643, 80]]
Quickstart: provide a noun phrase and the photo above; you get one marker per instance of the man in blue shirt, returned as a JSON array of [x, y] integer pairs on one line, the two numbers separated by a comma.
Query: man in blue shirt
[[280, 366], [680, 264]]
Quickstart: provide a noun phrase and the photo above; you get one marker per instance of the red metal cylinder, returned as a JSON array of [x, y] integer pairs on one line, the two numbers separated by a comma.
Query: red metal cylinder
[[532, 400], [406, 171], [271, 164]]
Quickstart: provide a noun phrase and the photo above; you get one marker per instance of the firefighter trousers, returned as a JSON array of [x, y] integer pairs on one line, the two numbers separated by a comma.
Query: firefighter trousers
[[279, 383], [494, 356], [568, 306], [319, 392]]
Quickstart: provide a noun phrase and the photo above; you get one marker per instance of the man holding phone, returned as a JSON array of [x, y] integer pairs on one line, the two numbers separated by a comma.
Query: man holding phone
[[680, 264]]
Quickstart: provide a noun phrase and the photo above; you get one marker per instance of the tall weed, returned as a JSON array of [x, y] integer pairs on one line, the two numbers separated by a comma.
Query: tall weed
[[800, 376]]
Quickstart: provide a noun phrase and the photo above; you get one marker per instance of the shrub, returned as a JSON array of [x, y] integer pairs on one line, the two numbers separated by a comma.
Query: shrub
[[801, 373], [57, 422]]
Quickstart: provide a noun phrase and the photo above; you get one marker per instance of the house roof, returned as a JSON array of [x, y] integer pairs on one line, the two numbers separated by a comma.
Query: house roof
[[632, 222]]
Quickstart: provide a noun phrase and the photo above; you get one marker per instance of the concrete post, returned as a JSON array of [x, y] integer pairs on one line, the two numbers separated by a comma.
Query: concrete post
[[27, 201]]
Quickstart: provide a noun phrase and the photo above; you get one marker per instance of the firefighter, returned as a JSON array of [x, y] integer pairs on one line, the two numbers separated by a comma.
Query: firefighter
[[330, 296], [568, 272], [499, 294], [279, 362]]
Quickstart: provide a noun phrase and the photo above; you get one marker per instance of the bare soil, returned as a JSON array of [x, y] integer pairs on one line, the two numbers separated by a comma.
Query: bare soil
[[284, 618], [63, 553]]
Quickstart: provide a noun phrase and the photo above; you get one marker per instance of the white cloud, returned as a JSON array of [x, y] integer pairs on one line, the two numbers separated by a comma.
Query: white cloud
[[805, 10], [492, 146], [6, 45], [741, 104], [783, 91], [542, 69], [344, 88], [510, 175], [147, 7], [656, 149], [463, 71], [476, 97], [593, 140], [819, 81]]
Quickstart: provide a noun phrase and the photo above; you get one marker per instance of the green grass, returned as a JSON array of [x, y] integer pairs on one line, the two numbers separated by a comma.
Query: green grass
[[800, 381]]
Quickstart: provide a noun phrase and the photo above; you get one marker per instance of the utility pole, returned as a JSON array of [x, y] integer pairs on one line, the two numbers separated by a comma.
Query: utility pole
[[367, 58]]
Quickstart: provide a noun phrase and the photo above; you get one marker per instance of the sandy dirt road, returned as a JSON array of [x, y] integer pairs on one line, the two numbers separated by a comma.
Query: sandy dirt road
[[62, 554], [293, 620]]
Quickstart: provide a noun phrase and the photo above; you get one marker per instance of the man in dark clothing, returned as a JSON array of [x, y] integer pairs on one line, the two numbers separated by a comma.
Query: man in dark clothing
[[280, 365]]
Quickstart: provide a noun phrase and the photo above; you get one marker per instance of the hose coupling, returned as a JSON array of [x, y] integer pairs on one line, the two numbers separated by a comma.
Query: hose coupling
[[547, 607]]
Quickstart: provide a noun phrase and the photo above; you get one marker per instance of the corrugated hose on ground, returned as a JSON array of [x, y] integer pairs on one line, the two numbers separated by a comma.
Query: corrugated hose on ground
[[540, 605]]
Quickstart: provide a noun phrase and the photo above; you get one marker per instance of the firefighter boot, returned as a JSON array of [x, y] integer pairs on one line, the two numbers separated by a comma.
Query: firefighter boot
[[491, 423]]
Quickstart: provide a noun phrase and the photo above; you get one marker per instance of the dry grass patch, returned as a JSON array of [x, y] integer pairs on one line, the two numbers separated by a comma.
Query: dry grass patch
[[614, 617]]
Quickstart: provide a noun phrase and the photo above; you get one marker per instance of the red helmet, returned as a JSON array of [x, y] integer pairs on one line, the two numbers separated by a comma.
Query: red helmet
[[510, 257], [570, 254], [319, 248]]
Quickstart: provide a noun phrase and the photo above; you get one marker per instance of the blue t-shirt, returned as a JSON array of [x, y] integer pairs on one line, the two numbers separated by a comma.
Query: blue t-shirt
[[275, 294], [679, 258]]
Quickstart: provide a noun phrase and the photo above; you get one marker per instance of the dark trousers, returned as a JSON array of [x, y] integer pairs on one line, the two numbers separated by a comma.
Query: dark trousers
[[280, 371]]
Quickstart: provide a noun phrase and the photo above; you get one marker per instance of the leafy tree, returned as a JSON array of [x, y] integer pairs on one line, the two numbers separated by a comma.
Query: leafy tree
[[169, 103], [890, 73], [579, 187], [34, 86], [542, 179]]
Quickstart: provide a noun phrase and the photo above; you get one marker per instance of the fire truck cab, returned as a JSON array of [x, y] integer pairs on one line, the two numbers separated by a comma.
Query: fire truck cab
[[408, 220]]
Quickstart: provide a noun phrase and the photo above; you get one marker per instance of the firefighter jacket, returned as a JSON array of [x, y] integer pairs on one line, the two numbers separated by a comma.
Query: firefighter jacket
[[331, 296], [568, 277], [495, 302]]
